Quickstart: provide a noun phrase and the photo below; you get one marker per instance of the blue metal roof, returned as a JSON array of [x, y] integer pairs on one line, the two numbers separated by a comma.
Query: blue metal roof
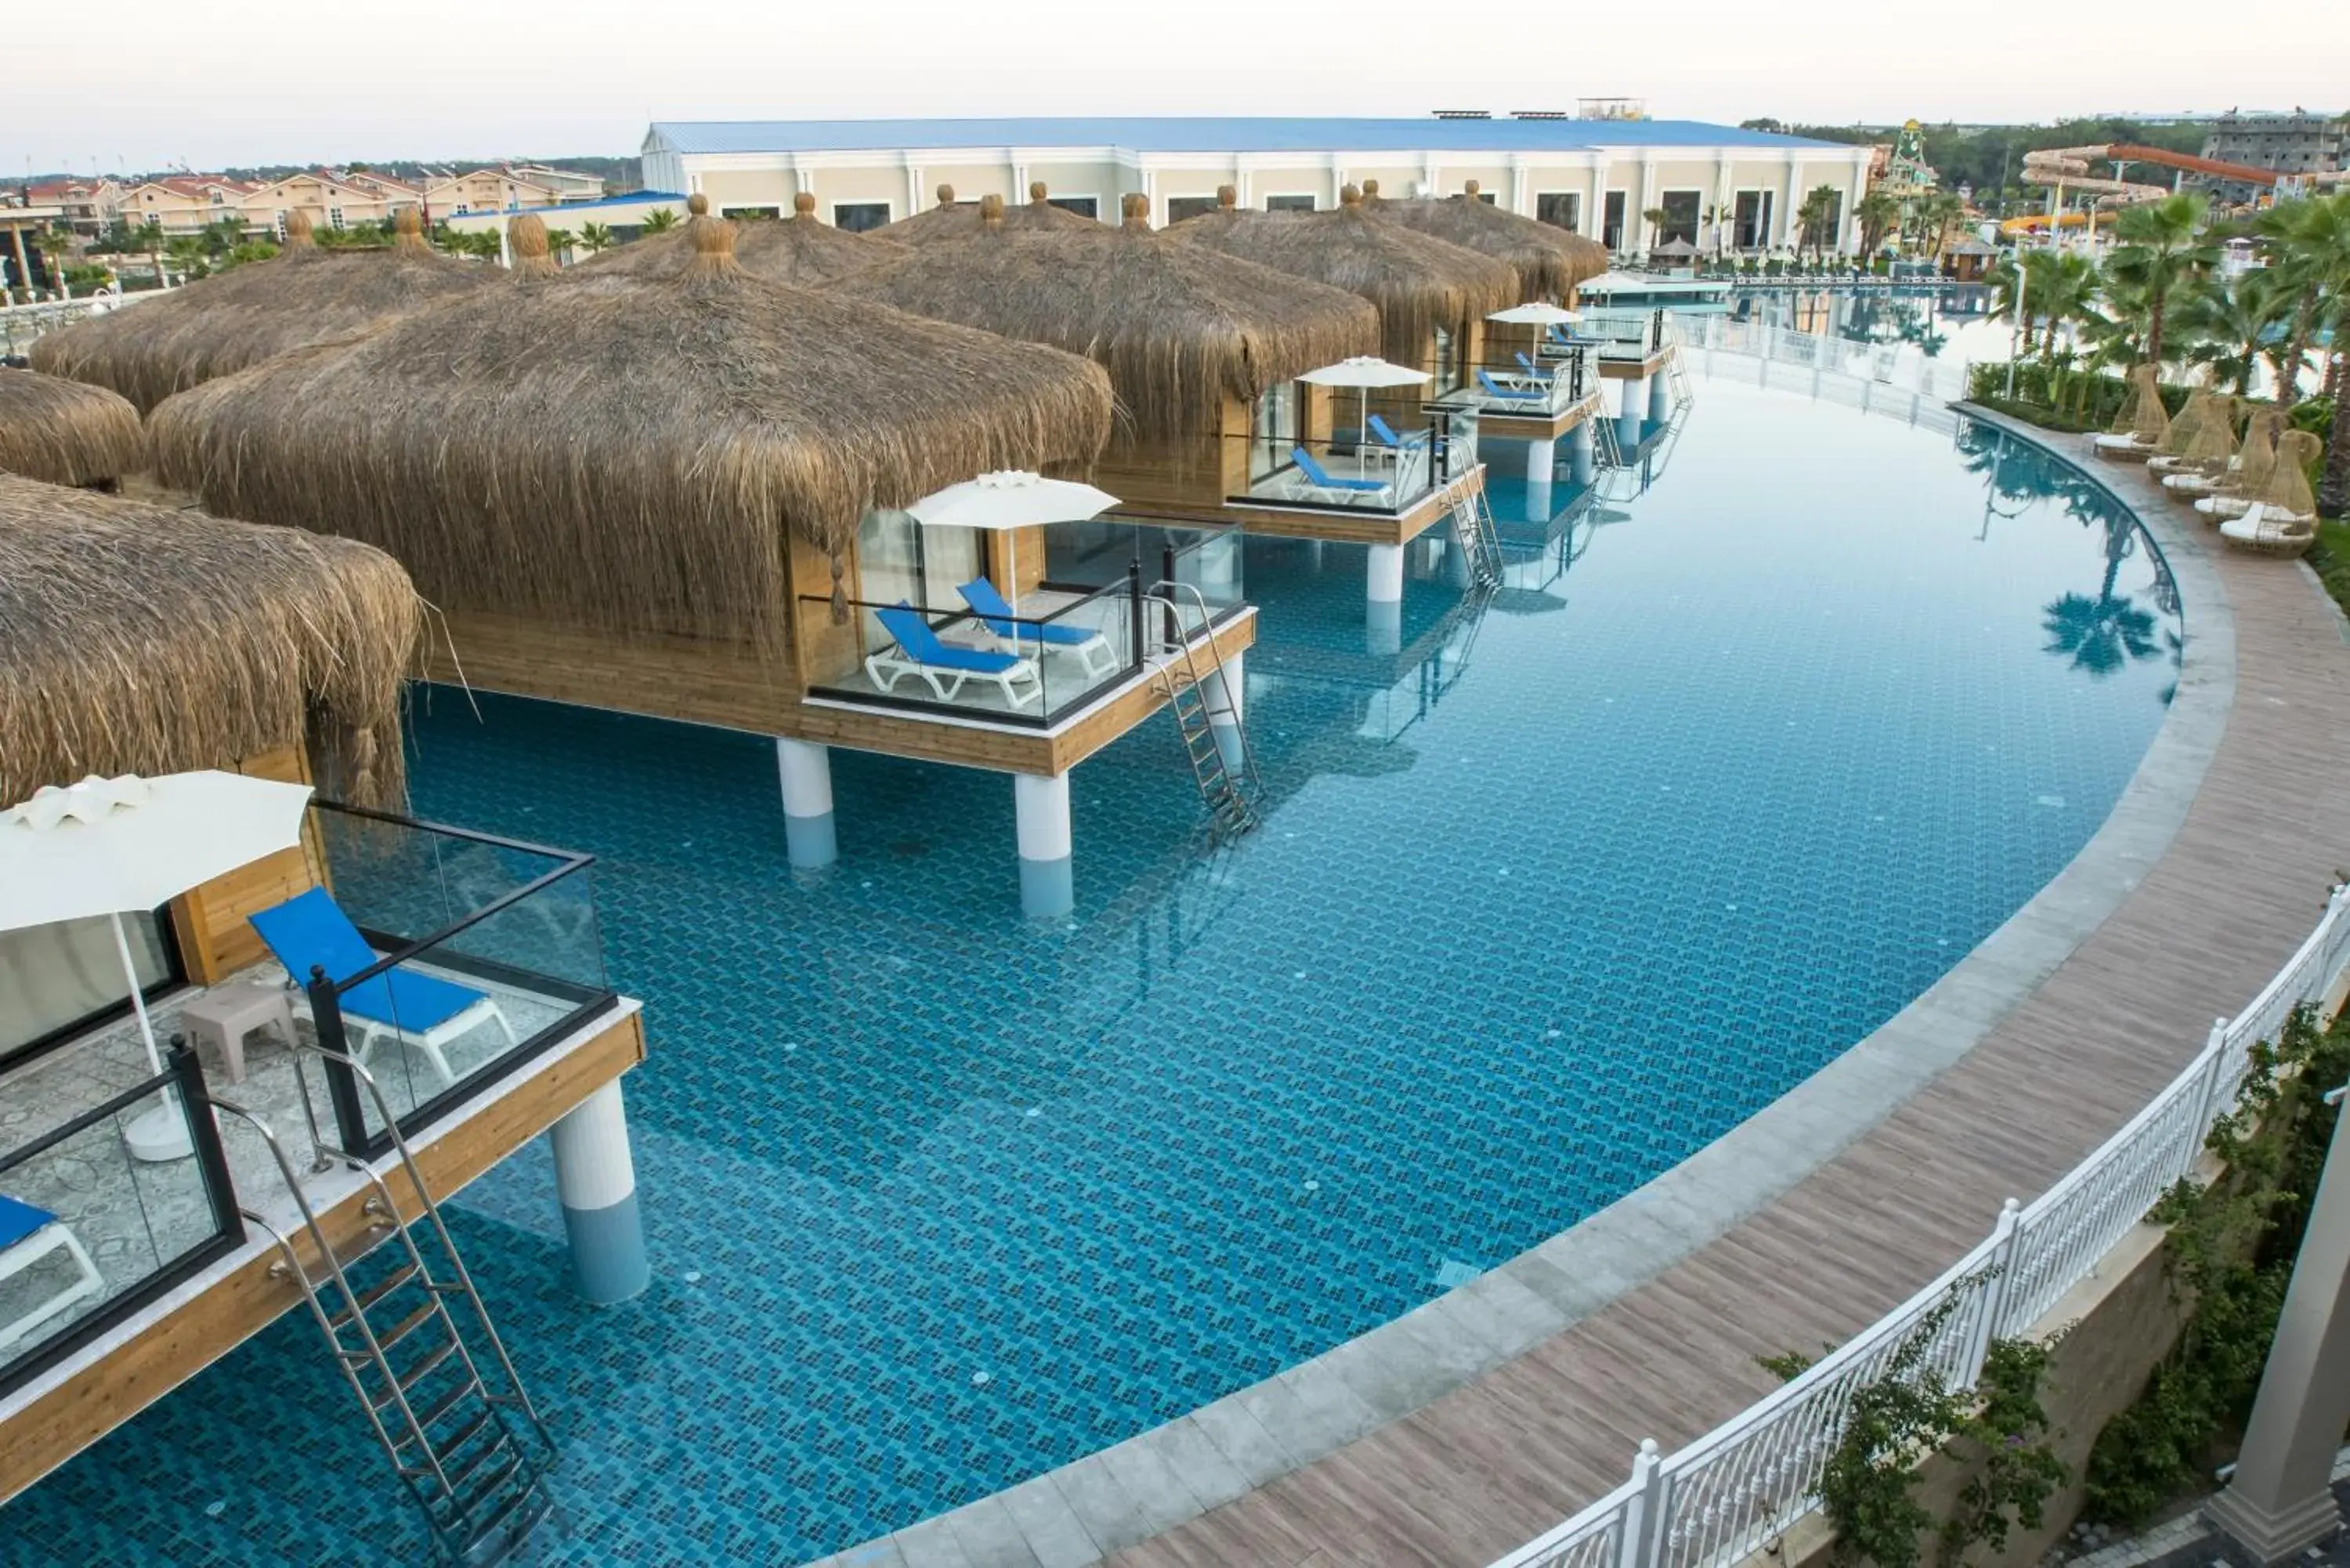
[[1212, 135]]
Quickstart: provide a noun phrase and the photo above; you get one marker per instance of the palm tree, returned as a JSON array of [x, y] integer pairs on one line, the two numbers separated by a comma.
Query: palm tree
[[2308, 246], [2162, 247], [1937, 216], [1877, 212], [188, 252], [659, 220], [148, 237], [2235, 326], [559, 242], [1655, 218], [1816, 216], [595, 238]]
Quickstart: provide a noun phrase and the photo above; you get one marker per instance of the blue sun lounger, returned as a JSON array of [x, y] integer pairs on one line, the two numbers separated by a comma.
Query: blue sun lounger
[[1087, 642], [1493, 389], [400, 1005], [918, 650], [1319, 480], [28, 1235]]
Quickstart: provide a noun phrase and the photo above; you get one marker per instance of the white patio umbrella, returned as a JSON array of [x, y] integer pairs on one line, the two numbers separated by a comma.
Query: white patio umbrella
[[1007, 499], [1541, 313], [107, 846], [1363, 372]]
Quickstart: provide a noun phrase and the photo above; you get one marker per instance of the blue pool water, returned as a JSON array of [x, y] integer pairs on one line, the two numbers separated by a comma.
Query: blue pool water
[[1544, 902]]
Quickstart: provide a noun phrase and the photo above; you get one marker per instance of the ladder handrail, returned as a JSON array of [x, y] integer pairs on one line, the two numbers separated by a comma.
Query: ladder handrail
[[301, 1277], [432, 1211], [1219, 789]]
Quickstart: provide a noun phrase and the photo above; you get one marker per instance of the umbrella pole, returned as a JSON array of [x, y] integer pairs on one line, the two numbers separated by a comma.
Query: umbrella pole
[[137, 1002]]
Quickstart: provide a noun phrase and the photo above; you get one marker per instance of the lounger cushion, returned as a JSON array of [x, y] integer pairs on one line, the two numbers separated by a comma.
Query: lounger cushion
[[311, 929], [1002, 620], [1313, 471], [922, 645], [19, 1219]]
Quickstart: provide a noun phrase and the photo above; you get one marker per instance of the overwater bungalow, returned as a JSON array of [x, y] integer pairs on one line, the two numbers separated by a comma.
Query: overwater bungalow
[[1206, 352], [693, 497], [167, 1202], [68, 433], [300, 298], [802, 249]]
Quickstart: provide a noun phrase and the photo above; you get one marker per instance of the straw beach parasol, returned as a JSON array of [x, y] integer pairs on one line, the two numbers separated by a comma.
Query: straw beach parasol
[[803, 249], [1179, 327], [65, 433], [104, 671], [1549, 261], [1418, 282], [628, 455], [219, 325], [950, 218]]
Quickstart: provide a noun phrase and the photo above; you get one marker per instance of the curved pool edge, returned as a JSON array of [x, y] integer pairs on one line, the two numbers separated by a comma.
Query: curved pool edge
[[1123, 1494]]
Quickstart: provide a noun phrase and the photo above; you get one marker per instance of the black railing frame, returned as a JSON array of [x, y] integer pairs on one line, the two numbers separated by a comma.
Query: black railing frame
[[183, 1073], [326, 996]]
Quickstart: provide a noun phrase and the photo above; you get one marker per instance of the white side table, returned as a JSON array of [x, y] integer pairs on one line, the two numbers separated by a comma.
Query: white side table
[[227, 1013]]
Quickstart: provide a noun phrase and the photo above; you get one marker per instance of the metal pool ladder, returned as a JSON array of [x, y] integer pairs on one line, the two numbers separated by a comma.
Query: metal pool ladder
[[1182, 675], [1472, 524], [451, 1433]]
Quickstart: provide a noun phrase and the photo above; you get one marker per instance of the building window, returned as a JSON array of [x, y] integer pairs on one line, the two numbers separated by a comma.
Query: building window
[[754, 215], [1488, 197], [334, 217], [1611, 221], [1289, 203], [1680, 209], [1181, 207], [1083, 206], [859, 217], [1560, 209], [1750, 222]]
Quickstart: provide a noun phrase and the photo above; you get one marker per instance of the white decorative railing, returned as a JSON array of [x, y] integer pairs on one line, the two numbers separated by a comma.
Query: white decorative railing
[[1731, 1492], [1895, 378], [22, 325]]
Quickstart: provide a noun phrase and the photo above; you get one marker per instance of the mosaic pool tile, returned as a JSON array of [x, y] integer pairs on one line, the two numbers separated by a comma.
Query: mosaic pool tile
[[936, 1199]]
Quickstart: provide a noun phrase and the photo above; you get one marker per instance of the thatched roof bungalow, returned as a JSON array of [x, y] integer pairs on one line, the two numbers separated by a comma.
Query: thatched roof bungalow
[[1432, 297], [300, 645], [1194, 339], [67, 433], [802, 250], [219, 325], [1549, 261], [952, 218], [630, 493]]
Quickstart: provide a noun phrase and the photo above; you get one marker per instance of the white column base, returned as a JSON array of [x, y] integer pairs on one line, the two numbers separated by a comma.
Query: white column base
[[595, 1180], [806, 770], [1047, 876]]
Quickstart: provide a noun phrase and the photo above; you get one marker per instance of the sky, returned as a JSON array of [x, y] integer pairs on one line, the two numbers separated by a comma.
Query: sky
[[287, 81]]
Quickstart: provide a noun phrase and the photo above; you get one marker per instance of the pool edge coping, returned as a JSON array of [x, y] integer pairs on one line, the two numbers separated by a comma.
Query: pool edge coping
[[1118, 1496]]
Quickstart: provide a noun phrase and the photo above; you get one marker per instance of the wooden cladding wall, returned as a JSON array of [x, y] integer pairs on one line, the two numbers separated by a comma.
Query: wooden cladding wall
[[215, 941]]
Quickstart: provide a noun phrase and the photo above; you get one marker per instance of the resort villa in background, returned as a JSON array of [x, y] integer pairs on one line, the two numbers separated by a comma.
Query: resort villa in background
[[1594, 176]]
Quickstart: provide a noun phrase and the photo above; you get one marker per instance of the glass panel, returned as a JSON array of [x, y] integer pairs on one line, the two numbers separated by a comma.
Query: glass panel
[[1560, 209], [1289, 203], [1611, 221], [1375, 474], [857, 217], [1083, 206], [1272, 419], [101, 1224], [53, 977], [951, 557], [888, 565], [1181, 207]]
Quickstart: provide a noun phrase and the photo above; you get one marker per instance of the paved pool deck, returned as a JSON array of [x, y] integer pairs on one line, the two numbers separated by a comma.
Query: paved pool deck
[[1476, 1422]]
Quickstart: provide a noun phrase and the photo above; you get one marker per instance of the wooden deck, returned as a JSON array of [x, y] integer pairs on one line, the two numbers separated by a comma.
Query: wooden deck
[[1497, 1461]]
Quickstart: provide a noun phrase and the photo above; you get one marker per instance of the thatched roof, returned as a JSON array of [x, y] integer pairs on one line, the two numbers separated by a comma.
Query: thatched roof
[[624, 453], [1549, 260], [138, 639], [64, 432], [1419, 282], [219, 325], [1179, 327], [804, 249], [952, 219]]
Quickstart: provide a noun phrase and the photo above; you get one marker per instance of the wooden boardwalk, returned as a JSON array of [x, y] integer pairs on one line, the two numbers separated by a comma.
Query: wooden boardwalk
[[1479, 1470]]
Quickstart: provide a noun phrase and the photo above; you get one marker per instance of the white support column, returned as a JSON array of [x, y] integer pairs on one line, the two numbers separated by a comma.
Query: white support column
[[805, 769], [596, 1180], [1227, 699], [1047, 882], [1584, 453], [1660, 399], [2281, 1503], [1383, 611], [1627, 419], [1542, 462]]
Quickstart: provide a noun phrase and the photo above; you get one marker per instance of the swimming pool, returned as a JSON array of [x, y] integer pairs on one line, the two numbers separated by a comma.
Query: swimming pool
[[1545, 901]]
